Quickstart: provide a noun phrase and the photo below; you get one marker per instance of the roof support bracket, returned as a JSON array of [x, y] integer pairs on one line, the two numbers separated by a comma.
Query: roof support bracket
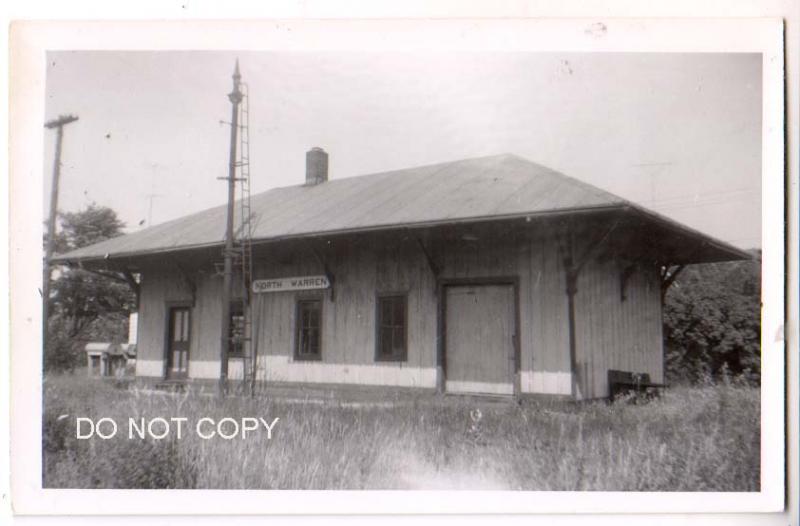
[[106, 274], [121, 276], [324, 264], [668, 276], [133, 284], [625, 275], [573, 267], [594, 248], [435, 270], [188, 280]]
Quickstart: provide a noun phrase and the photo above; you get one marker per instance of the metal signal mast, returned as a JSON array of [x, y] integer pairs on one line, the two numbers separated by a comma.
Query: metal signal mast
[[244, 248], [235, 97], [238, 249]]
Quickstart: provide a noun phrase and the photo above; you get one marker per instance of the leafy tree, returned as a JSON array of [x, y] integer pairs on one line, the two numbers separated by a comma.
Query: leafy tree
[[85, 306], [89, 226], [81, 297], [712, 321]]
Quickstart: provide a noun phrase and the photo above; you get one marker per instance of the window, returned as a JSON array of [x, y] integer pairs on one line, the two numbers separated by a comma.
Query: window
[[309, 330], [236, 331], [391, 334]]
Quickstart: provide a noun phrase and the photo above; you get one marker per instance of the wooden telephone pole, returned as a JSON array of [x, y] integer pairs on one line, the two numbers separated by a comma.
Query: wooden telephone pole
[[236, 98], [58, 124]]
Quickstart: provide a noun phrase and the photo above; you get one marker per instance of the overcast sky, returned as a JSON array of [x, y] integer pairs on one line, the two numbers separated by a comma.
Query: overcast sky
[[679, 133]]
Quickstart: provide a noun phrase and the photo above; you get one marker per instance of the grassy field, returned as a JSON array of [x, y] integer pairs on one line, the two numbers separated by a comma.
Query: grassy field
[[691, 439]]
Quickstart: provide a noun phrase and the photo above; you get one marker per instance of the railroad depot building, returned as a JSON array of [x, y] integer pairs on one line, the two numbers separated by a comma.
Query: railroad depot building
[[492, 275]]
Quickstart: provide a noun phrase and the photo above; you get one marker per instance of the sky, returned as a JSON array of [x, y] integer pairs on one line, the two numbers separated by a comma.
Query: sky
[[677, 133]]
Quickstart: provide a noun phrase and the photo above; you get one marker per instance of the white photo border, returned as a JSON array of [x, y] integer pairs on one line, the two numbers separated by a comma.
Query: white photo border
[[31, 40]]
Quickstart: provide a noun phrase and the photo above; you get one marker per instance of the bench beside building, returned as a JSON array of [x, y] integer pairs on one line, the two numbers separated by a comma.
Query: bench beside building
[[492, 275]]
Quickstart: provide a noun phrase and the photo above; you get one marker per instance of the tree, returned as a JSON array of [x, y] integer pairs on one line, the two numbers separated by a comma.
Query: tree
[[712, 321], [89, 226], [85, 306]]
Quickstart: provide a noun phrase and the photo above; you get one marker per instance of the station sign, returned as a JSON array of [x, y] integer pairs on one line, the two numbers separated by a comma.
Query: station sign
[[290, 284]]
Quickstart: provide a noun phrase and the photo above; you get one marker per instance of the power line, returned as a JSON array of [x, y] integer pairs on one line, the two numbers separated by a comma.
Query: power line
[[706, 195]]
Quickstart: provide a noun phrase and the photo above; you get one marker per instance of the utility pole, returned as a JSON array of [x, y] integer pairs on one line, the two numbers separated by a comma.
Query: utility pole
[[58, 124], [236, 98]]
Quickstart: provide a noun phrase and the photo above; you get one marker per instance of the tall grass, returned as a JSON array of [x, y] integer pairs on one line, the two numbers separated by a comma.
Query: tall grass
[[690, 439]]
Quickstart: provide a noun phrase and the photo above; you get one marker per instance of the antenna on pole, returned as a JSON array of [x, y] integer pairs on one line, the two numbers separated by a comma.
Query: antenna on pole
[[57, 124], [152, 195], [151, 198]]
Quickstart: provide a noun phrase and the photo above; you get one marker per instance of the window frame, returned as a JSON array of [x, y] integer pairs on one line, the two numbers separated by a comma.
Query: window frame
[[235, 307], [394, 357], [168, 306], [298, 327]]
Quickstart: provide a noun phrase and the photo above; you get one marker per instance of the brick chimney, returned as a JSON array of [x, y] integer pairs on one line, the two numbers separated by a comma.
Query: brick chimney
[[316, 166]]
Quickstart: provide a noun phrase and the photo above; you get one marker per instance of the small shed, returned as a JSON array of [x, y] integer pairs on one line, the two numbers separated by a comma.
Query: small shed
[[109, 359]]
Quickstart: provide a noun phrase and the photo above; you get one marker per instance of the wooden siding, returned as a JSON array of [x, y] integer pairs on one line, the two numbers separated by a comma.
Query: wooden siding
[[544, 344], [543, 314], [362, 269], [163, 286], [613, 333], [158, 287], [359, 272], [610, 333]]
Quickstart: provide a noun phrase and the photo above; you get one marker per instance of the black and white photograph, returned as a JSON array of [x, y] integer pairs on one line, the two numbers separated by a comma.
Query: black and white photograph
[[403, 269]]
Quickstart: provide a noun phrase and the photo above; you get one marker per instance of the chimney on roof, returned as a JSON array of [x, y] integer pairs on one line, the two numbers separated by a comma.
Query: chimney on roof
[[316, 166]]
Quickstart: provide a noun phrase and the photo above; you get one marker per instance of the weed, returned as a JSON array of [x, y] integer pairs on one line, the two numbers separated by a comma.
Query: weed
[[702, 438]]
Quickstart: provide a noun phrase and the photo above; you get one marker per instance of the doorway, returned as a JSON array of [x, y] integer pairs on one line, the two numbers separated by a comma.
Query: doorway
[[178, 343], [480, 338]]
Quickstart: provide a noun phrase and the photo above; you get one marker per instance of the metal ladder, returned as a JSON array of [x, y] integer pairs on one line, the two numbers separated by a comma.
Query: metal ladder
[[244, 243]]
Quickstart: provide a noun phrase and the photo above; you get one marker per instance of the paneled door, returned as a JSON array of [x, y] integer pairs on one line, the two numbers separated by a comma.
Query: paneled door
[[178, 343]]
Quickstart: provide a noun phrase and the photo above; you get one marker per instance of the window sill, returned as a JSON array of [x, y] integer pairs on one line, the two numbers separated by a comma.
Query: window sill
[[307, 358], [391, 359]]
